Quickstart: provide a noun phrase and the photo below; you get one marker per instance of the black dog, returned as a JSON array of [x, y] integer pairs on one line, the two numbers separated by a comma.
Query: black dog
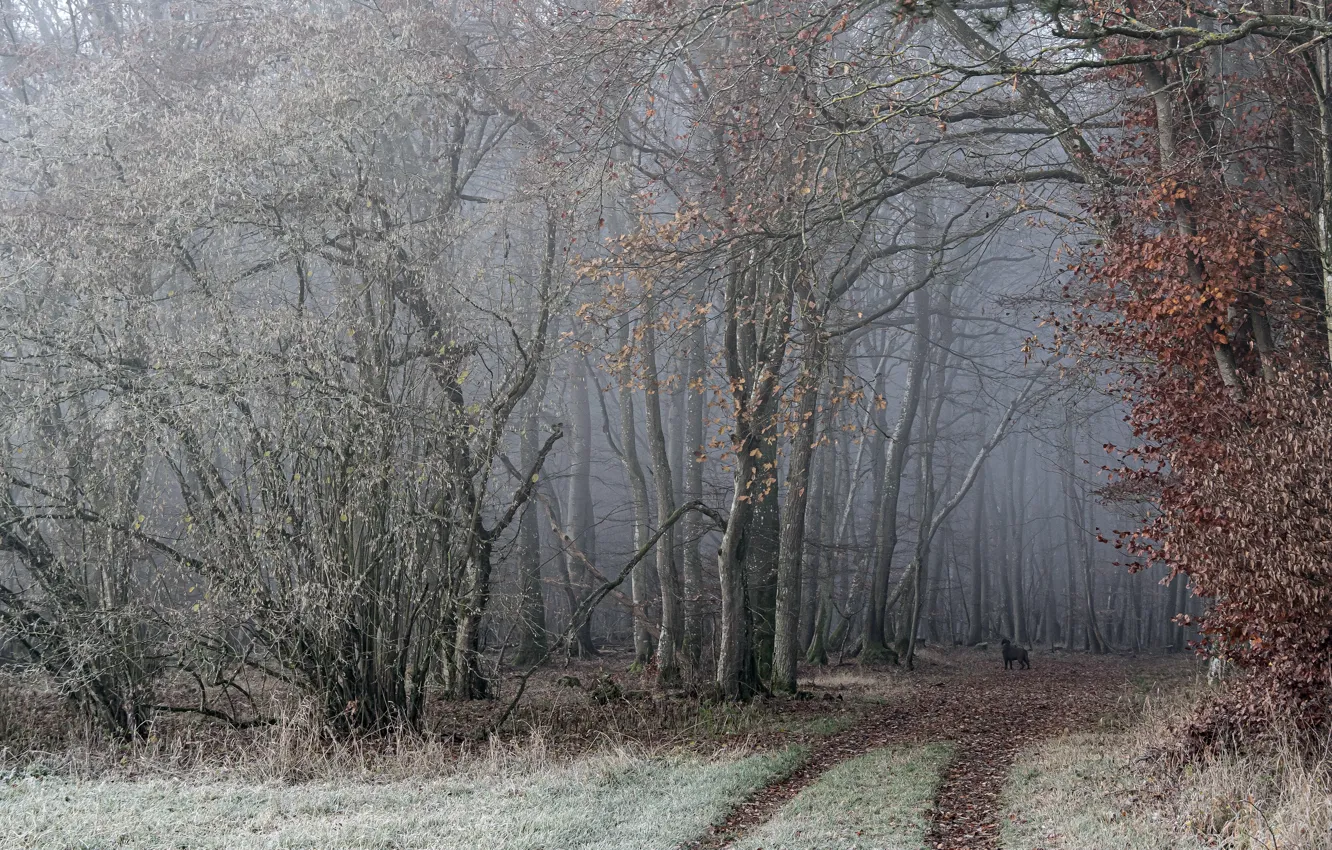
[[1013, 652]]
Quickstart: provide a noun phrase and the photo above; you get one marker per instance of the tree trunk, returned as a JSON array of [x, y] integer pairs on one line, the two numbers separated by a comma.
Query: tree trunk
[[672, 619], [878, 458], [736, 675], [875, 647], [937, 577], [816, 565], [1094, 637], [1179, 606], [817, 619], [1051, 618], [764, 545], [1018, 513], [1074, 530], [531, 602], [696, 400], [639, 494], [1003, 556], [1323, 96], [758, 316], [786, 643], [925, 463], [466, 680], [581, 527], [824, 562], [1165, 136], [1071, 579], [976, 632], [936, 394]]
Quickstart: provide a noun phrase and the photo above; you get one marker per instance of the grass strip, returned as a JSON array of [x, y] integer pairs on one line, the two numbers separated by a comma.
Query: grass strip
[[877, 801]]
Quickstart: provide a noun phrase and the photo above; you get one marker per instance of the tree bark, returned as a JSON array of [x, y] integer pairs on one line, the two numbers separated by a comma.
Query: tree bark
[[736, 676], [786, 643], [936, 394], [1018, 513], [467, 681], [672, 619], [1051, 618], [816, 620], [758, 317], [639, 495], [1003, 556], [532, 635], [875, 647], [976, 632], [1074, 529], [694, 528], [824, 562], [1323, 96], [580, 528], [765, 542]]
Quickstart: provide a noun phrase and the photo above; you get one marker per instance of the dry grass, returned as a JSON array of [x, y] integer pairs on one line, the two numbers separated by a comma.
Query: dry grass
[[1099, 788], [1270, 795], [1079, 792], [574, 768], [41, 735], [859, 684], [33, 717], [299, 747]]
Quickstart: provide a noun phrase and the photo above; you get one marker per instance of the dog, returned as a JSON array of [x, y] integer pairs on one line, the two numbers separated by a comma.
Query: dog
[[1013, 652]]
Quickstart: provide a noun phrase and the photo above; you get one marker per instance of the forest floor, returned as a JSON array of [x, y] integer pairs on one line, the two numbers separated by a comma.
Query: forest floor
[[879, 758]]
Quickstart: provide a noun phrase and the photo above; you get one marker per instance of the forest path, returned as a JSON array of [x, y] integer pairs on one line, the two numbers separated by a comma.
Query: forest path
[[989, 713]]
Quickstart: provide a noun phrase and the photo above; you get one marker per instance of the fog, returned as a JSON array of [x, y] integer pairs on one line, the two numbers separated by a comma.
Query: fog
[[396, 349]]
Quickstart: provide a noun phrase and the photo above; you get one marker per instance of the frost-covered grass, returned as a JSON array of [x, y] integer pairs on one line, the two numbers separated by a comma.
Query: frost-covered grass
[[615, 802], [875, 802], [1079, 791]]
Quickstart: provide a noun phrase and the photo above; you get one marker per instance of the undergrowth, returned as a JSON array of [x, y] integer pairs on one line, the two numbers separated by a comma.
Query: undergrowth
[[41, 735]]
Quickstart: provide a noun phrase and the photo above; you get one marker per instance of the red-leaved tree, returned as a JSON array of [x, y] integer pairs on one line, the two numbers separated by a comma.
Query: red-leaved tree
[[1203, 299]]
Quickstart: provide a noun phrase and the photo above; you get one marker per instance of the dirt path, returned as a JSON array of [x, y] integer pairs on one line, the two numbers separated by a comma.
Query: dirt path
[[990, 713], [993, 716]]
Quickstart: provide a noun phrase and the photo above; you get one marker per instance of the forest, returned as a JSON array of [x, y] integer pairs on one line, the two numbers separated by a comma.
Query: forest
[[666, 423]]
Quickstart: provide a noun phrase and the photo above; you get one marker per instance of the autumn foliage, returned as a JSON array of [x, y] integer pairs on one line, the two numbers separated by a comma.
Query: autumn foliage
[[1203, 300], [1248, 514]]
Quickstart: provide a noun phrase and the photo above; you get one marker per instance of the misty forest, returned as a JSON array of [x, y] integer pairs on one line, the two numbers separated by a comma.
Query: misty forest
[[633, 424]]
